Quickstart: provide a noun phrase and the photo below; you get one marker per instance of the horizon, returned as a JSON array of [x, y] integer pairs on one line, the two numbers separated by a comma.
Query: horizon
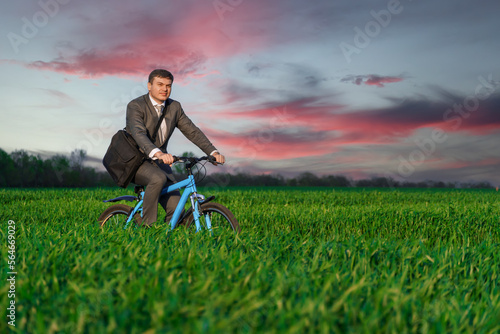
[[96, 164], [401, 89]]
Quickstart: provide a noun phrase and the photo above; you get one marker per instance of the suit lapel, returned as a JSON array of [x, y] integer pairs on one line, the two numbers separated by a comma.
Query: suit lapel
[[151, 109], [169, 123], [151, 116]]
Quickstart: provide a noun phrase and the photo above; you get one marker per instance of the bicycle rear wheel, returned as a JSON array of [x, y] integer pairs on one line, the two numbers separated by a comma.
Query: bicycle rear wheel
[[115, 217], [221, 219]]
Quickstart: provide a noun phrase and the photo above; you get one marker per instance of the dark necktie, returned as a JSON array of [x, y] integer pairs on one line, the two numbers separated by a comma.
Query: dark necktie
[[162, 130]]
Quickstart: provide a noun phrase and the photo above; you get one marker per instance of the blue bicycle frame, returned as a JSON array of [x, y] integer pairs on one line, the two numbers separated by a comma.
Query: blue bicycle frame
[[189, 191]]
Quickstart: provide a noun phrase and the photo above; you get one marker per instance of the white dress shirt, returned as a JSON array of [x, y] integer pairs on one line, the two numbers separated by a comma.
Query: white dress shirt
[[163, 126]]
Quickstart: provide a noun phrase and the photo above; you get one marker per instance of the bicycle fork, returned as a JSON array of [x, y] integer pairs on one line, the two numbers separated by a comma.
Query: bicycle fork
[[195, 200]]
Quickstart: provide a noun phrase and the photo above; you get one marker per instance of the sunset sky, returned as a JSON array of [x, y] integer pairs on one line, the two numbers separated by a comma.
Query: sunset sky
[[406, 89]]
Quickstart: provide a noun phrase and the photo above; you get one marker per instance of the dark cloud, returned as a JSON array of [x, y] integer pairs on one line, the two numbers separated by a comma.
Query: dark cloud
[[294, 74], [454, 171]]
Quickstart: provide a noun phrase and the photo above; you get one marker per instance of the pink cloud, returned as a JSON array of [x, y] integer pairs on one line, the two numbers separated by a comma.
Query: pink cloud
[[352, 127], [180, 43], [94, 64], [272, 144], [311, 128], [371, 79]]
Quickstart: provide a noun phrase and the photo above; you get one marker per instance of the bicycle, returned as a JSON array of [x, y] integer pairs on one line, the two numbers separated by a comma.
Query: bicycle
[[201, 212]]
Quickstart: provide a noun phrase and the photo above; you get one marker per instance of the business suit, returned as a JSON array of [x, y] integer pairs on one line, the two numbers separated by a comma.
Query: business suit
[[142, 119]]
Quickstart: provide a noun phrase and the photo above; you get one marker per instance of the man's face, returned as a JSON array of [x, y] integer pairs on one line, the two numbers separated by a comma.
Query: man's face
[[160, 89]]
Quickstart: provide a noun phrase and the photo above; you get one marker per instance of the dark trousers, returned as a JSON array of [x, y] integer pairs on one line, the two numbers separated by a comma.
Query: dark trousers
[[154, 177]]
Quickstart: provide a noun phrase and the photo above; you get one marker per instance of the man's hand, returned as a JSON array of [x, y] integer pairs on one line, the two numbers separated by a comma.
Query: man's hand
[[165, 157], [219, 158]]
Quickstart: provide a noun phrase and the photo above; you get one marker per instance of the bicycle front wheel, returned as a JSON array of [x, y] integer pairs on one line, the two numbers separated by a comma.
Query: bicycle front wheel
[[221, 219], [115, 217]]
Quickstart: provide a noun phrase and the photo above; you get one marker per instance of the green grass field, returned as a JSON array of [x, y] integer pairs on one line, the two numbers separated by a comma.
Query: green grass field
[[307, 260]]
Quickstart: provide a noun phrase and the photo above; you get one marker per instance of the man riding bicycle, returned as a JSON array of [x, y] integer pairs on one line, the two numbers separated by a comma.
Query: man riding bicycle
[[143, 114]]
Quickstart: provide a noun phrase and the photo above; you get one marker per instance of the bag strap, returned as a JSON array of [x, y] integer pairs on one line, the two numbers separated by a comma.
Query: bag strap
[[164, 112]]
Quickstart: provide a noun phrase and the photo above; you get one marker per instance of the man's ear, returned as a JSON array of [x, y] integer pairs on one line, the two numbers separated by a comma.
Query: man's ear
[[149, 86]]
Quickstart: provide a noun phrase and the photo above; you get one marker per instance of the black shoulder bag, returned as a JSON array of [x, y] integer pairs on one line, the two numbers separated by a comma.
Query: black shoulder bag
[[123, 157]]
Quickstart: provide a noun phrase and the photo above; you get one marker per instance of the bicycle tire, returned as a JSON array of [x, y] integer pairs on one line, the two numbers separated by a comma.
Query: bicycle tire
[[221, 218], [115, 216]]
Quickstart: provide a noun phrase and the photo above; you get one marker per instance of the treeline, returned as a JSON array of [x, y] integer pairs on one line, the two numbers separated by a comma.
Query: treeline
[[21, 169], [308, 179]]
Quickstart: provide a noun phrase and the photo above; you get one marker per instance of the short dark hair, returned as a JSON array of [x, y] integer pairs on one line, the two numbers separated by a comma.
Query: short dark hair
[[160, 73]]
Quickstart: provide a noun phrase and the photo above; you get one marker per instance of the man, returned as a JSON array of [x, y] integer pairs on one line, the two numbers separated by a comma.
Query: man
[[143, 114]]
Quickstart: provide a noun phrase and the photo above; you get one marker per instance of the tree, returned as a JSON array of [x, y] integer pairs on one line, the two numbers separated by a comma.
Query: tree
[[7, 169], [308, 179], [27, 167], [77, 158], [335, 181]]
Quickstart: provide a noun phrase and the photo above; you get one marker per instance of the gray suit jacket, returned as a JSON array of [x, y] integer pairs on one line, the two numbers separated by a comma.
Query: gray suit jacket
[[142, 119]]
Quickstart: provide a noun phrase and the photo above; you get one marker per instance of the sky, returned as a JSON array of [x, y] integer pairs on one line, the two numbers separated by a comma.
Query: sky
[[404, 89]]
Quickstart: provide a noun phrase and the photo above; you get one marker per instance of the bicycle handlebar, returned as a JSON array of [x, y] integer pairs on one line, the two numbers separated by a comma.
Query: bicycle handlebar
[[194, 160]]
